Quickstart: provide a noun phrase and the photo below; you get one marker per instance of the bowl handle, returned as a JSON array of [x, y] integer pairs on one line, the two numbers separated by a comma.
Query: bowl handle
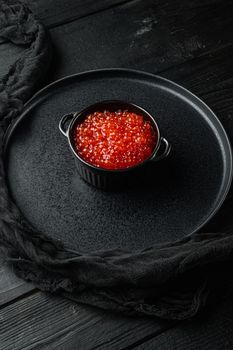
[[63, 122], [167, 149]]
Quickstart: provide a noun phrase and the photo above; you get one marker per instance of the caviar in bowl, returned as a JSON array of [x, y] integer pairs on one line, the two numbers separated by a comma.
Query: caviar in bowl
[[112, 141]]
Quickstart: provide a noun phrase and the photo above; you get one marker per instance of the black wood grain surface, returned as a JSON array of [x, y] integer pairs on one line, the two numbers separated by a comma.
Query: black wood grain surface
[[145, 35], [190, 42], [212, 330], [53, 13], [43, 321]]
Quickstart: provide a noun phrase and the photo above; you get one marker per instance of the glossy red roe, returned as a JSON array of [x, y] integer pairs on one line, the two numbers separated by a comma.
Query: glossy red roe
[[114, 140]]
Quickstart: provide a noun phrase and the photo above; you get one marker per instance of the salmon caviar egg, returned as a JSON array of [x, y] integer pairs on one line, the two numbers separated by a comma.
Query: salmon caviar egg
[[114, 140]]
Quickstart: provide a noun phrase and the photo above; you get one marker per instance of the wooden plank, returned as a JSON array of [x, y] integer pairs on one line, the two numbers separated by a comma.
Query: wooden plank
[[211, 331], [151, 37], [11, 287], [47, 322], [53, 13], [42, 321]]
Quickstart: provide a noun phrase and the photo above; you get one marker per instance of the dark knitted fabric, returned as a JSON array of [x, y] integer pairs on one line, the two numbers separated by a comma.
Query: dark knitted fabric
[[171, 281]]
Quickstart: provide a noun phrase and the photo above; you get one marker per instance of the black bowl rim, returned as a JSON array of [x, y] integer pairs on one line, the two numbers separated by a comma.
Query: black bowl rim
[[84, 111]]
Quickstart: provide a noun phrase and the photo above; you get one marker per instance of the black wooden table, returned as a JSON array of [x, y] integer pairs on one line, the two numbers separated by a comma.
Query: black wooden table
[[190, 42]]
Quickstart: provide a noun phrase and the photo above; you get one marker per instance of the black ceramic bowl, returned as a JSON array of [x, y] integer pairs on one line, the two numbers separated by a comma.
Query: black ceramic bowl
[[104, 178]]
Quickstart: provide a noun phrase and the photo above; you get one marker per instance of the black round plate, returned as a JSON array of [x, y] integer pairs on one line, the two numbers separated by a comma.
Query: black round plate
[[181, 194]]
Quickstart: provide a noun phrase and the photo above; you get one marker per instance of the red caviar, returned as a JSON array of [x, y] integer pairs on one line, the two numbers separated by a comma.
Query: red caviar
[[114, 140]]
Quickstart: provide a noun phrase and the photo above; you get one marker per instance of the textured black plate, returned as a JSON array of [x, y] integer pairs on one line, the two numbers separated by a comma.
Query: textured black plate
[[182, 193]]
